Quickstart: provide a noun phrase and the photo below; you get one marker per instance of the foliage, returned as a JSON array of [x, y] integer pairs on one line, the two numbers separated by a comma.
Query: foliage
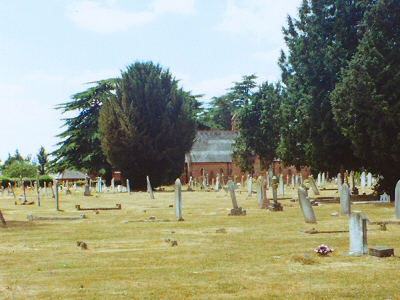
[[148, 126], [259, 128], [320, 44], [42, 158], [81, 147], [17, 166], [45, 179], [367, 101]]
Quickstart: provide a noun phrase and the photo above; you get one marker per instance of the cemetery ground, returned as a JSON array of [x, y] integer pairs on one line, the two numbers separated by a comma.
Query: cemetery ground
[[263, 255]]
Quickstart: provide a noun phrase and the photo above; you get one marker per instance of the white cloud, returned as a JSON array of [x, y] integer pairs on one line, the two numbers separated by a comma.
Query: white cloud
[[10, 91], [110, 18], [263, 19]]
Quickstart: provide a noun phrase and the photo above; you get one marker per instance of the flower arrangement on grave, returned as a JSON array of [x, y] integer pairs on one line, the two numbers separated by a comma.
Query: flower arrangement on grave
[[323, 250]]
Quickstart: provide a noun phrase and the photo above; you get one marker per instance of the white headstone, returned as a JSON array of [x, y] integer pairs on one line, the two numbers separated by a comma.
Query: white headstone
[[363, 180], [281, 186], [384, 198], [292, 180], [369, 180], [323, 183], [345, 200], [351, 181], [313, 186], [128, 187], [339, 182], [178, 199], [358, 233], [319, 180], [249, 185], [306, 207], [397, 201], [113, 185]]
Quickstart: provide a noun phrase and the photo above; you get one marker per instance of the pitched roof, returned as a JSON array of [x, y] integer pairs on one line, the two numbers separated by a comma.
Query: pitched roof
[[213, 146], [70, 174]]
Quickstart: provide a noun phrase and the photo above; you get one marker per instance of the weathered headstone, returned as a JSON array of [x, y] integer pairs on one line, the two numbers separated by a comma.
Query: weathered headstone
[[397, 201], [128, 187], [149, 189], [265, 201], [323, 180], [113, 185], [275, 206], [319, 180], [249, 185], [218, 184], [178, 199], [242, 182], [56, 194], [313, 185], [270, 175], [87, 187], [358, 233], [259, 190], [351, 181], [369, 180], [345, 200], [293, 180], [384, 198], [306, 207], [362, 181], [236, 211], [339, 182], [287, 179]]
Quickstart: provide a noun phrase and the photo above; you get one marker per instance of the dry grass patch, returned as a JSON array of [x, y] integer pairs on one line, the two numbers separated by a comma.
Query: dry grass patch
[[260, 255]]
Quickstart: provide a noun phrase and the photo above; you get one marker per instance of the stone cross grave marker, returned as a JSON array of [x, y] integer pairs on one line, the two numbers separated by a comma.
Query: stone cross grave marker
[[306, 207], [313, 185], [149, 189], [275, 206], [249, 185], [345, 200], [178, 199], [236, 211], [358, 233], [397, 201]]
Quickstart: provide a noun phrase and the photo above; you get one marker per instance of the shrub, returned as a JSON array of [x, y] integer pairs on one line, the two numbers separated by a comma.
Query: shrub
[[45, 179]]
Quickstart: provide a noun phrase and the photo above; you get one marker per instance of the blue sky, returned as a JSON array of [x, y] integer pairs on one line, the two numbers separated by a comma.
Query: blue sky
[[50, 49]]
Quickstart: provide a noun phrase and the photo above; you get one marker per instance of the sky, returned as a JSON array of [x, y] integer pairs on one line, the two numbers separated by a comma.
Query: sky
[[52, 49]]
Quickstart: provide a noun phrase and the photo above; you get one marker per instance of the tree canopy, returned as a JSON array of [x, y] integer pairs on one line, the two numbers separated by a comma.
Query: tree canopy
[[81, 147], [147, 126], [366, 103]]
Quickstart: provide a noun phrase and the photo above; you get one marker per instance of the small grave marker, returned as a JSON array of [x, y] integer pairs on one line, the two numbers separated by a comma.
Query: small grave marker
[[149, 189], [358, 233], [345, 200], [306, 207], [178, 199], [313, 185]]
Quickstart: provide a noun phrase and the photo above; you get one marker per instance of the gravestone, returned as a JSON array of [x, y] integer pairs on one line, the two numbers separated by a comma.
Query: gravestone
[[339, 182], [265, 201], [305, 205], [128, 187], [259, 190], [281, 185], [369, 180], [178, 199], [323, 182], [113, 185], [345, 208], [313, 185], [319, 180], [351, 181], [56, 194], [218, 184], [275, 206], [249, 185], [287, 179], [362, 181], [236, 211], [296, 179], [119, 188], [292, 180], [384, 198], [270, 175], [397, 201], [242, 182], [149, 189], [358, 233], [87, 187]]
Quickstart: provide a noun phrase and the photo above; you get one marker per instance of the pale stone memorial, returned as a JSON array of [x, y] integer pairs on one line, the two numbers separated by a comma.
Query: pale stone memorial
[[236, 211], [306, 207], [363, 181], [345, 200], [149, 189], [178, 199], [339, 182], [313, 185], [397, 201], [369, 180], [275, 206], [249, 185], [358, 233], [128, 187], [319, 180], [281, 185]]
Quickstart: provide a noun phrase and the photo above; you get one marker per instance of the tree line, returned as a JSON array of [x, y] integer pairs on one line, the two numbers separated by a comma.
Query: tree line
[[336, 105]]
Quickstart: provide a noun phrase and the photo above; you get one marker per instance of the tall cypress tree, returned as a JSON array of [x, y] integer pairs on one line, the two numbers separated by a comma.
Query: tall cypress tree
[[148, 126], [320, 43], [367, 101]]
